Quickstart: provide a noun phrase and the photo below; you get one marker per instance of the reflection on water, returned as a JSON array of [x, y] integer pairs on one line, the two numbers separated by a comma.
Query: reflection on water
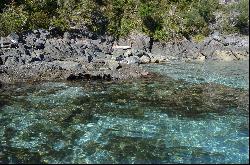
[[158, 120]]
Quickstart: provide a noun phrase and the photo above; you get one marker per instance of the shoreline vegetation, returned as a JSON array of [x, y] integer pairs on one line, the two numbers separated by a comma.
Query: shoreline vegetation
[[109, 39], [161, 20]]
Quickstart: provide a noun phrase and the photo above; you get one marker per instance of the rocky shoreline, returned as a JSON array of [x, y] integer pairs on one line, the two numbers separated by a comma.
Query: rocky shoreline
[[79, 54]]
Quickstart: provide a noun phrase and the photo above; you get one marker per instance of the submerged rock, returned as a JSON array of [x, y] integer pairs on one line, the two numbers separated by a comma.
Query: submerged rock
[[148, 121]]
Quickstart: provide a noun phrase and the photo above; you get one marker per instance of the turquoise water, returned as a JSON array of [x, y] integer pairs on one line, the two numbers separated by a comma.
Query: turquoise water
[[201, 117], [231, 73]]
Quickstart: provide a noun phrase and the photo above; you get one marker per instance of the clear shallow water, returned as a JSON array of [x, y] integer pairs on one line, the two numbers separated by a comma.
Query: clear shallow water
[[159, 120], [231, 73]]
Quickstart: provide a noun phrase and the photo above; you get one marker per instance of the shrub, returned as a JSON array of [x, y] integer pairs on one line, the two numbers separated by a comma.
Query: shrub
[[198, 16], [161, 35], [127, 26], [13, 19], [236, 17], [198, 38], [161, 19], [243, 18], [194, 23], [59, 23], [37, 20]]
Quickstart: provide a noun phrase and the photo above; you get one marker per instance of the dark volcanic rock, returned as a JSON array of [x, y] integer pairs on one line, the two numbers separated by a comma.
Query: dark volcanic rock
[[137, 41], [79, 54], [214, 47], [1, 60]]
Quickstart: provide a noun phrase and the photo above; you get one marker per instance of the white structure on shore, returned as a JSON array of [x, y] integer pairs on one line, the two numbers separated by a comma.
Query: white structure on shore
[[228, 1]]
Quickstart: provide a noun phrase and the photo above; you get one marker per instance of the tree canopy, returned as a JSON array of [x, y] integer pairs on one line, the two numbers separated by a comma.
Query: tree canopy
[[160, 19]]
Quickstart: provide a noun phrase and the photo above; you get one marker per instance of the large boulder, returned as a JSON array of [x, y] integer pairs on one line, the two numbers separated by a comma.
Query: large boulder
[[82, 32], [14, 57], [59, 48], [10, 41], [157, 58], [136, 41], [229, 55], [228, 47], [113, 65], [13, 37], [1, 58], [35, 39], [145, 59]]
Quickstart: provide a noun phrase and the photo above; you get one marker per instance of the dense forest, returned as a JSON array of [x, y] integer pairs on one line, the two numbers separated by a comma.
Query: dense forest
[[161, 19]]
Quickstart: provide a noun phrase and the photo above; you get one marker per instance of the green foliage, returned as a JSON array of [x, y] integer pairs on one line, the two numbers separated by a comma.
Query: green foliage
[[163, 20], [243, 18], [127, 25], [47, 6], [38, 19], [2, 5], [60, 23], [236, 18], [146, 9], [198, 38], [199, 15], [206, 8], [194, 22], [12, 19], [114, 13], [129, 21], [161, 35], [152, 20]]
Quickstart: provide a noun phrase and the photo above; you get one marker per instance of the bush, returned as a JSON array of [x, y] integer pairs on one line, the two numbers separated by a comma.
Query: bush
[[59, 23], [199, 16], [37, 20], [130, 20], [151, 20], [161, 35], [243, 18], [163, 20], [236, 18], [13, 19], [127, 26], [198, 38], [194, 23]]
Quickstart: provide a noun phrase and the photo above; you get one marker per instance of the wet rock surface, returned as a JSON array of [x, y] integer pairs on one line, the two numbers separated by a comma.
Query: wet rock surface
[[214, 47], [52, 55], [48, 55]]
